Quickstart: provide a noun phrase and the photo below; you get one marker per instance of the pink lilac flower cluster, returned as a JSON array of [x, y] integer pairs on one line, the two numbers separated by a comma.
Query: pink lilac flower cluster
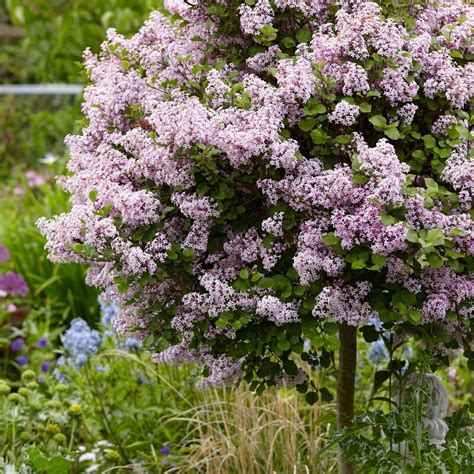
[[344, 113], [346, 303], [225, 175], [252, 19]]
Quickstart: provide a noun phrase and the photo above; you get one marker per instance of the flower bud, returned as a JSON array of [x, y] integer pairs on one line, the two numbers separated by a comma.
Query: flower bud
[[32, 385], [25, 436], [75, 410], [15, 398], [55, 404], [24, 391], [112, 455], [52, 428], [60, 438], [4, 389], [28, 376]]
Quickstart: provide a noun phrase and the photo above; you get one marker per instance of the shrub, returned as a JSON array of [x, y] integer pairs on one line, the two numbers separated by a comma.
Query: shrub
[[256, 175]]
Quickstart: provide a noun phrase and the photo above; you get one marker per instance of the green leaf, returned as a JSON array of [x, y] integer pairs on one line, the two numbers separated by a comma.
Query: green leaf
[[307, 124], [365, 107], [313, 107], [41, 463], [387, 219], [284, 345], [288, 42], [429, 140], [122, 283], [188, 254], [290, 367], [331, 239], [415, 316], [343, 139], [244, 274], [359, 178], [456, 54], [435, 260], [380, 377], [318, 136], [392, 133], [267, 34], [93, 194], [303, 35], [378, 259], [435, 237], [370, 333], [221, 323], [412, 236], [330, 328], [373, 94], [358, 264], [311, 398], [378, 121], [419, 155], [431, 185], [326, 395]]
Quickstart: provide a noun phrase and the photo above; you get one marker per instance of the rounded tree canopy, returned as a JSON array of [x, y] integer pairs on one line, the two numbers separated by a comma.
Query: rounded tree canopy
[[250, 174]]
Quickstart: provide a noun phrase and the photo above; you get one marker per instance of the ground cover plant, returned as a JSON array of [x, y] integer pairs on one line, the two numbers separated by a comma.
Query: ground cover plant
[[256, 181]]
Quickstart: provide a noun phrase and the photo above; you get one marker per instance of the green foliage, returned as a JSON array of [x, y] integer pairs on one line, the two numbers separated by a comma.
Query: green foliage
[[30, 127], [58, 31], [58, 289], [115, 408]]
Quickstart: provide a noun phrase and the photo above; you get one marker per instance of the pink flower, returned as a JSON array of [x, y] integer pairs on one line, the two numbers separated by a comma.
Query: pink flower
[[13, 284], [34, 179], [4, 254], [176, 7]]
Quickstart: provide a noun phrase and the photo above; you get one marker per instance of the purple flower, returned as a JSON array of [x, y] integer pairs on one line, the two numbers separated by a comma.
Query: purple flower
[[165, 449], [17, 344], [44, 366], [4, 254], [42, 342], [22, 360], [13, 284]]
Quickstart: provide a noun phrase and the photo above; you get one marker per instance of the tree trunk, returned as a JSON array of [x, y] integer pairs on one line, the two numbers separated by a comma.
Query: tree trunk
[[345, 387]]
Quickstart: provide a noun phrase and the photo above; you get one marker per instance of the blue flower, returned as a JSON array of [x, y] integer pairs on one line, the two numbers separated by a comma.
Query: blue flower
[[408, 352], [42, 342], [377, 352], [17, 344], [109, 311], [80, 342], [165, 449], [59, 376], [22, 360], [130, 344], [378, 325], [44, 366]]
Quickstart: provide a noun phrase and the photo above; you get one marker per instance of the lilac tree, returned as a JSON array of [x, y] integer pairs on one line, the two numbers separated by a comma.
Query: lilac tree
[[255, 175]]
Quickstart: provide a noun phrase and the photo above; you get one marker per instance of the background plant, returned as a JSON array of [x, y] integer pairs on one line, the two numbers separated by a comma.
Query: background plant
[[49, 26]]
